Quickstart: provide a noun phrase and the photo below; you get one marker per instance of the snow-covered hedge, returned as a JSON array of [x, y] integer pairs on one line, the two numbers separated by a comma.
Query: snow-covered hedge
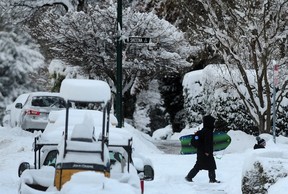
[[206, 91], [209, 91]]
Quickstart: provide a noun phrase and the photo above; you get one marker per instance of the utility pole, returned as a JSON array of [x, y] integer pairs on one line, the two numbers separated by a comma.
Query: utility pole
[[119, 108]]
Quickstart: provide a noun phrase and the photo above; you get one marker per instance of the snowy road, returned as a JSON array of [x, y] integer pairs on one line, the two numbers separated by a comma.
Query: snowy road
[[169, 173], [169, 146]]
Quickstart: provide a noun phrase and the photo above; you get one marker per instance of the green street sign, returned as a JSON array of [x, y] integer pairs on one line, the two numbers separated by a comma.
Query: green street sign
[[138, 40]]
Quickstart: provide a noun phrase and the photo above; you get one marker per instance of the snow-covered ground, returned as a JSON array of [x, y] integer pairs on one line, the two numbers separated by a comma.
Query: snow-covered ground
[[170, 169]]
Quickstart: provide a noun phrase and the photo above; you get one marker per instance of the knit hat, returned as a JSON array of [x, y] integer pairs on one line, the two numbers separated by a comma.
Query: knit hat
[[260, 141], [208, 122]]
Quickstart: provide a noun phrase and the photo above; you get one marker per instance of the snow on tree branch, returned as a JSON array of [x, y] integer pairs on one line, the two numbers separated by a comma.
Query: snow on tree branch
[[88, 40], [250, 35]]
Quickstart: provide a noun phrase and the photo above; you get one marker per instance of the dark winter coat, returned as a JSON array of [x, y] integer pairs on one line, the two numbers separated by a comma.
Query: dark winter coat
[[205, 162], [260, 143], [257, 146]]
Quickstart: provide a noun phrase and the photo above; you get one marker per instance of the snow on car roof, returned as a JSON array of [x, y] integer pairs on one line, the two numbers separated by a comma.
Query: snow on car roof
[[119, 136], [85, 90], [22, 98]]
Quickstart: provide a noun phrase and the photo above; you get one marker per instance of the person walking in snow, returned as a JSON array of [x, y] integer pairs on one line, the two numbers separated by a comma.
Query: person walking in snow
[[205, 158], [261, 143]]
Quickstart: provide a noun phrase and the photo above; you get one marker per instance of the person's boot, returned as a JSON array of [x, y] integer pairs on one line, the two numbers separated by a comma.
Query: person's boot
[[188, 179], [214, 181], [212, 176]]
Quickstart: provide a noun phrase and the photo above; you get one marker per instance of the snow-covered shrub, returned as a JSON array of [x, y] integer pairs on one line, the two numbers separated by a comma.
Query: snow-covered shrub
[[209, 91], [205, 92], [282, 119], [149, 113], [262, 172], [256, 180]]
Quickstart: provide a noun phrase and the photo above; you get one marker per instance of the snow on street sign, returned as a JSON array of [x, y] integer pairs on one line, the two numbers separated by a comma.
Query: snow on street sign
[[136, 39]]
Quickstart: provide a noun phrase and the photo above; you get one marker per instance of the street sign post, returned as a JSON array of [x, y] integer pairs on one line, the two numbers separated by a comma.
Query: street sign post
[[119, 47], [275, 84], [135, 39]]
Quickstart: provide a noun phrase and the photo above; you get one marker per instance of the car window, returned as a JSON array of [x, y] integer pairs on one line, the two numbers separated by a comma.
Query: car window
[[115, 156], [50, 159], [48, 101]]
